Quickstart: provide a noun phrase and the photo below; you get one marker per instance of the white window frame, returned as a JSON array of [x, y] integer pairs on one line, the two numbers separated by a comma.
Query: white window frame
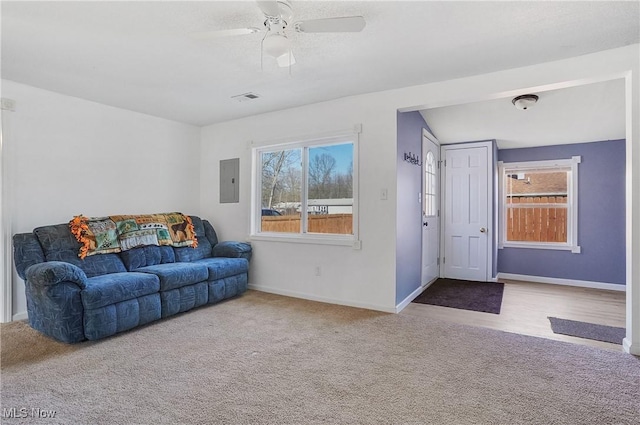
[[350, 136], [572, 203]]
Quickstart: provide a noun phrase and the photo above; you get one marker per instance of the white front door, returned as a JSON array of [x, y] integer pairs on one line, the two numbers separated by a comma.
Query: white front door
[[466, 212], [430, 208]]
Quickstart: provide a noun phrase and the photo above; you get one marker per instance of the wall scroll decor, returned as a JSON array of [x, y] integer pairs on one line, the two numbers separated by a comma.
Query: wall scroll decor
[[412, 158]]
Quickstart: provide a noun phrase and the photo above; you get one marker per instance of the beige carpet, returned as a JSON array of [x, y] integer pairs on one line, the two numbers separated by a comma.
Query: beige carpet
[[266, 359]]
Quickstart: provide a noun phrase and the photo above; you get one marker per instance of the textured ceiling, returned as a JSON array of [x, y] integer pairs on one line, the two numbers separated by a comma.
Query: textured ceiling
[[588, 113], [139, 55]]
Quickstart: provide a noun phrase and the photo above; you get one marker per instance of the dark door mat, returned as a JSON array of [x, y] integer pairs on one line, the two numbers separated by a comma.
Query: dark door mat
[[485, 297], [586, 330]]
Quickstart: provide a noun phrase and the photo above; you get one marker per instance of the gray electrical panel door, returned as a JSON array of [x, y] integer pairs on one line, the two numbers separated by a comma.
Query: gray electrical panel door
[[229, 187]]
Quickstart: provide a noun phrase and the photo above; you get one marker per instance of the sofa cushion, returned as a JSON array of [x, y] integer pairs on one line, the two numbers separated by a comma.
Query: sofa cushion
[[147, 256], [221, 267], [177, 300], [187, 253], [204, 246], [113, 318], [26, 252], [59, 244], [210, 232], [176, 275], [232, 250], [116, 287]]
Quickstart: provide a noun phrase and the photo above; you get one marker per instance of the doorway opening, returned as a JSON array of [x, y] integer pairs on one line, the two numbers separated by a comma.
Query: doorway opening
[[616, 90]]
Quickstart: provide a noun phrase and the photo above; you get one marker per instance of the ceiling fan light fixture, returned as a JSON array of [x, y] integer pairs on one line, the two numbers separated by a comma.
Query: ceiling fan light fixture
[[278, 23], [286, 60], [524, 101], [276, 45]]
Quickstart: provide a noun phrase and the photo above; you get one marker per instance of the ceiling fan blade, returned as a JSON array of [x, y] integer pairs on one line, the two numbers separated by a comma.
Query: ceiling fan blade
[[286, 60], [269, 7], [210, 35], [343, 24]]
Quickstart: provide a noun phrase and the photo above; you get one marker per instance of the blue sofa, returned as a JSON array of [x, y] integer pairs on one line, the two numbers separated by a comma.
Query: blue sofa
[[71, 299]]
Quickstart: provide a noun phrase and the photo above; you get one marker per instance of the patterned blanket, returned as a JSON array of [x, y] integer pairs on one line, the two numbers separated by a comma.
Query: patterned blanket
[[116, 233]]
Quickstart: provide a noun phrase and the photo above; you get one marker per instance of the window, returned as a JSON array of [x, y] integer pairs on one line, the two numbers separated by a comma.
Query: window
[[306, 190], [430, 191], [540, 204]]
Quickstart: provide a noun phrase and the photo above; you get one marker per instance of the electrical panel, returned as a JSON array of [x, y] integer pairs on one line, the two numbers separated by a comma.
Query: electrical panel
[[229, 180]]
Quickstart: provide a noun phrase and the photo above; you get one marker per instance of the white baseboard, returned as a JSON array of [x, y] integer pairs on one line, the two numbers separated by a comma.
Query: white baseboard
[[412, 296], [567, 282], [20, 316], [312, 297], [630, 348]]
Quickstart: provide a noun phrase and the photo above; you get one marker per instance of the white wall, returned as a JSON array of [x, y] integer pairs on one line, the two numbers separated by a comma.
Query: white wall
[[67, 156], [367, 277], [363, 277]]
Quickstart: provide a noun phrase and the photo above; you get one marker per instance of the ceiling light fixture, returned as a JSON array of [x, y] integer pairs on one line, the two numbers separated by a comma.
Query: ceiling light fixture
[[276, 45], [524, 101]]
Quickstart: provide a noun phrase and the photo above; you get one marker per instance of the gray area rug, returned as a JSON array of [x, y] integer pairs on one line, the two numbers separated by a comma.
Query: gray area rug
[[485, 297], [268, 359], [586, 330]]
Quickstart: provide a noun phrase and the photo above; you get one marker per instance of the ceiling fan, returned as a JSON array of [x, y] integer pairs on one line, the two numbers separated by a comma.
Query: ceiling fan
[[278, 21]]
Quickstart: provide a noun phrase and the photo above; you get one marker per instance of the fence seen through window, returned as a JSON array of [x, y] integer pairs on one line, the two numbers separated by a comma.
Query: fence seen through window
[[536, 206]]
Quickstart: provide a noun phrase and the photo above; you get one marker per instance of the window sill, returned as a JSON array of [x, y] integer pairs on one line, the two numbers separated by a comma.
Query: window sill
[[553, 246], [315, 239]]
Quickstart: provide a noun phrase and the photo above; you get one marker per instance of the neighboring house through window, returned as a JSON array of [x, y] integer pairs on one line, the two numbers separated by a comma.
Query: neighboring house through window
[[308, 188], [539, 204]]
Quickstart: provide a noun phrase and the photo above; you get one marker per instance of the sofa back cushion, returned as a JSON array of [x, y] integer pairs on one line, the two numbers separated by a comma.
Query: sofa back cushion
[[204, 245], [210, 232], [26, 252], [59, 244], [149, 255]]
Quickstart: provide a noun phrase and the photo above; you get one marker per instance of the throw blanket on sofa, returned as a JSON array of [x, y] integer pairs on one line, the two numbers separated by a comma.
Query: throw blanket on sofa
[[116, 233]]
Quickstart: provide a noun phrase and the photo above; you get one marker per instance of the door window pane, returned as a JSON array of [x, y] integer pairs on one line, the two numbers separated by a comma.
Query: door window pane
[[430, 205]]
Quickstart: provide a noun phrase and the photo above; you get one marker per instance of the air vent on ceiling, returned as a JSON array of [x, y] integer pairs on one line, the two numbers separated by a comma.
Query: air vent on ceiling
[[245, 97]]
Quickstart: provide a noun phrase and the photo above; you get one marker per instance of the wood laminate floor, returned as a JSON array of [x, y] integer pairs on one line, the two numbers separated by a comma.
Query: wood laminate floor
[[526, 305]]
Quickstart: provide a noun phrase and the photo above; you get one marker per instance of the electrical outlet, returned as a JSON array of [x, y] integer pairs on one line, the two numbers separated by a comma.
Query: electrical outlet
[[317, 271]]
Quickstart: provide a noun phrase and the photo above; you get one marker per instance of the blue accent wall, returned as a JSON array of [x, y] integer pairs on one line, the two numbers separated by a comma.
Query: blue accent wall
[[601, 217], [409, 210]]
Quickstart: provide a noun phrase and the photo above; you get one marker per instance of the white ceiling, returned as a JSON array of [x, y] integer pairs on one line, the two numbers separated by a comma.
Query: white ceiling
[[139, 55], [588, 113]]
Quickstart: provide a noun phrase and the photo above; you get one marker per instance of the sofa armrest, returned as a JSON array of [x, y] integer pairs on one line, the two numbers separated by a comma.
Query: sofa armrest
[[54, 272], [54, 300], [232, 249]]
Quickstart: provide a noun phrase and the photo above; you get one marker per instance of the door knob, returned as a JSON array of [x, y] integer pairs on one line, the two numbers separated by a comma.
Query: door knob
[[425, 224], [483, 230]]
